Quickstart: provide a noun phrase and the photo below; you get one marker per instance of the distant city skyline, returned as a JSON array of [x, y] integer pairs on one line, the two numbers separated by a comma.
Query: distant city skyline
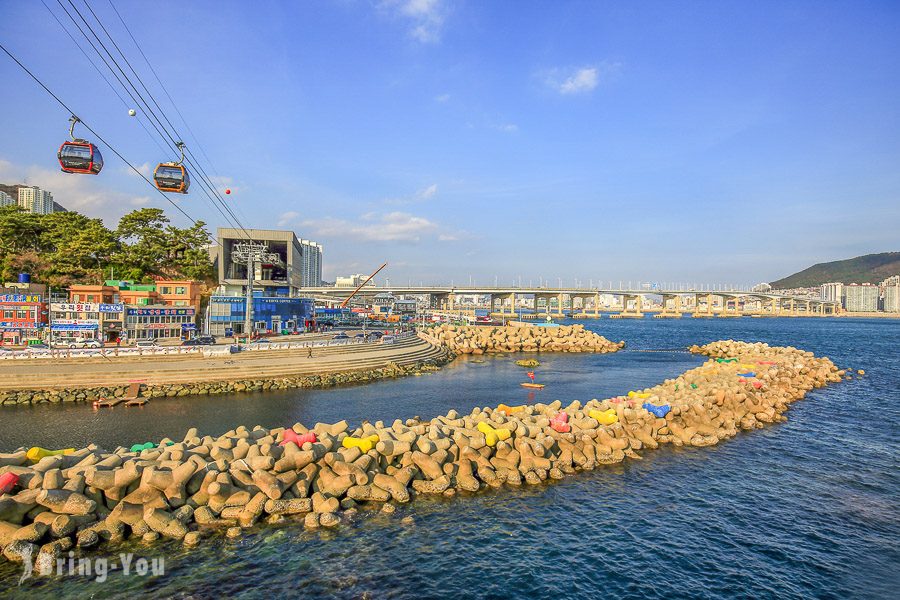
[[702, 143]]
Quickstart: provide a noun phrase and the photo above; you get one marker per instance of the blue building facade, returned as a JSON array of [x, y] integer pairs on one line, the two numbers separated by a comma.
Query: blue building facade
[[271, 314]]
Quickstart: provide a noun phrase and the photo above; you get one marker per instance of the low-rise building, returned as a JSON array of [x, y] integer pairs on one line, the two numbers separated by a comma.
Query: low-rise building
[[351, 281], [23, 312], [180, 293], [271, 314], [100, 321], [159, 322]]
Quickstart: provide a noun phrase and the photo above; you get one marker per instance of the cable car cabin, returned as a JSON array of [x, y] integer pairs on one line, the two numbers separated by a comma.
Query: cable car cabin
[[80, 156], [172, 178]]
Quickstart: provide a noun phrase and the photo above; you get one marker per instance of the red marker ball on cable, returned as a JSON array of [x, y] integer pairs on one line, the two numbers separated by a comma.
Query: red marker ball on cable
[[227, 191]]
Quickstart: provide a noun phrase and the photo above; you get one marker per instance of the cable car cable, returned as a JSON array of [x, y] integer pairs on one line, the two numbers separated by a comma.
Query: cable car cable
[[147, 104], [174, 104], [97, 135], [156, 123], [140, 119], [194, 163]]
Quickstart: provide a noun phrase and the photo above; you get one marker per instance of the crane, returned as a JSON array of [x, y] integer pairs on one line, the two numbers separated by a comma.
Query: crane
[[362, 285]]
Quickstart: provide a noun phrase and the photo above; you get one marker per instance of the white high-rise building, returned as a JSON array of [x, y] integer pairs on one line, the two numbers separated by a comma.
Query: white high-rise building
[[311, 263], [891, 287], [37, 201], [861, 298], [833, 292], [7, 200]]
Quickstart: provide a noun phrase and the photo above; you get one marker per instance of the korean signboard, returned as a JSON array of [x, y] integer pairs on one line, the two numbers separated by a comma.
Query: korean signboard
[[20, 298], [152, 312]]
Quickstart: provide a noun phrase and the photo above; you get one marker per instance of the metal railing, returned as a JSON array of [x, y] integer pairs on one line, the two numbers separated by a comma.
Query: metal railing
[[209, 351]]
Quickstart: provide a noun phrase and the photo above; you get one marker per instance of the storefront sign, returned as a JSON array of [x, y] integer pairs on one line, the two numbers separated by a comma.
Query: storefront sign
[[18, 325], [189, 326], [74, 307], [20, 298], [93, 322], [68, 327], [143, 312], [111, 308]]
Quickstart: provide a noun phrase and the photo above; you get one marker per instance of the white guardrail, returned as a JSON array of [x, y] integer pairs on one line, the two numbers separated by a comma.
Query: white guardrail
[[209, 351]]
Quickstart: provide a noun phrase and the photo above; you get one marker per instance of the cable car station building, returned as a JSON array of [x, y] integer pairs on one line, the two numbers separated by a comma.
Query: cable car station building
[[278, 281]]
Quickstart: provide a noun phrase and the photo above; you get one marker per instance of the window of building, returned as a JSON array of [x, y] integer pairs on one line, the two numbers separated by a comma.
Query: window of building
[[180, 291]]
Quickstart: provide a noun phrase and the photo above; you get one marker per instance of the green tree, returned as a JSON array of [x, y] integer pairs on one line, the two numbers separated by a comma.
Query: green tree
[[78, 248], [65, 248]]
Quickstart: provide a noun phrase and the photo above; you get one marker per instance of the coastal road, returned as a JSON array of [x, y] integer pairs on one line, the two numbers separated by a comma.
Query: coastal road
[[265, 364]]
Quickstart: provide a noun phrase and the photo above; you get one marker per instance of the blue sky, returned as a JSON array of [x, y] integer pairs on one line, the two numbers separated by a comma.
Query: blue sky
[[720, 142]]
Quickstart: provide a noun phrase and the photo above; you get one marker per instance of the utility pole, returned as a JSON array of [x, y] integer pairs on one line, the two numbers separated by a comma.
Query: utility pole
[[251, 253]]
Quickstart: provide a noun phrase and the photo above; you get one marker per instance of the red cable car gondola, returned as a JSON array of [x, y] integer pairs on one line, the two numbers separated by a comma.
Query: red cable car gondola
[[79, 156], [172, 176]]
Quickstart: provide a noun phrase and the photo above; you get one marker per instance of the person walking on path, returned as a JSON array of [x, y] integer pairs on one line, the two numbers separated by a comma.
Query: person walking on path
[[309, 354]]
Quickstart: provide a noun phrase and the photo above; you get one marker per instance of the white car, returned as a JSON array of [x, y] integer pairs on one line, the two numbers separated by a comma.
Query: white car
[[85, 344], [147, 344]]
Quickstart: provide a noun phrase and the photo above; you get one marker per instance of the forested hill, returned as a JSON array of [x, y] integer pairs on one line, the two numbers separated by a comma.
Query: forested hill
[[871, 268]]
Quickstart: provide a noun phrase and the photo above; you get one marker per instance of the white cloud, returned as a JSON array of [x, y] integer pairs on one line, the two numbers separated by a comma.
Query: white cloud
[[82, 193], [145, 169], [584, 80], [426, 17], [447, 237], [428, 192], [286, 218], [390, 227], [579, 80], [507, 127], [420, 196], [442, 98]]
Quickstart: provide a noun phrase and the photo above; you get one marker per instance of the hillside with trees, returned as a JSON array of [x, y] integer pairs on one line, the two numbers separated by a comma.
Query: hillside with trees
[[871, 268], [67, 247]]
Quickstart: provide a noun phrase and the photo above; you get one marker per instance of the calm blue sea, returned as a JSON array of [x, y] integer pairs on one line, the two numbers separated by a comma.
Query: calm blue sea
[[805, 509]]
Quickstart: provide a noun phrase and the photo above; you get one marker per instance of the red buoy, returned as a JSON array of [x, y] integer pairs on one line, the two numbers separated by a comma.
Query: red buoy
[[227, 191]]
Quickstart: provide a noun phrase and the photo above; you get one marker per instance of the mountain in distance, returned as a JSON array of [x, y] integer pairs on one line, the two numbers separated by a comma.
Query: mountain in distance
[[871, 268]]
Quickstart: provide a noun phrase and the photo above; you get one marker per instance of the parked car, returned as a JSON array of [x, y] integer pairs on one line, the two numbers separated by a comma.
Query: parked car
[[376, 334], [79, 343], [147, 344], [37, 347], [388, 339], [206, 340], [261, 341], [341, 336], [193, 342], [360, 336]]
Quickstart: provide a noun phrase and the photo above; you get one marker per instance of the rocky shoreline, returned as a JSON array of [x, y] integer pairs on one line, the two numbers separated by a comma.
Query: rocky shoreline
[[467, 339], [321, 476], [172, 390]]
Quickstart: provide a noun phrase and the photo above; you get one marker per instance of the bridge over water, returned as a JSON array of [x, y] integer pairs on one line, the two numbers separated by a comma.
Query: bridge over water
[[586, 302]]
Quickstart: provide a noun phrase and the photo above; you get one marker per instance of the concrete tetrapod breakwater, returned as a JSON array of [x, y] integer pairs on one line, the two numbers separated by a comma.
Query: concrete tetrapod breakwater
[[522, 338], [189, 489]]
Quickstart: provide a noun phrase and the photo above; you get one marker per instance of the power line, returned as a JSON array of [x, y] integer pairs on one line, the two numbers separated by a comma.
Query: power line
[[102, 75], [172, 101], [204, 179], [98, 136], [140, 101]]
